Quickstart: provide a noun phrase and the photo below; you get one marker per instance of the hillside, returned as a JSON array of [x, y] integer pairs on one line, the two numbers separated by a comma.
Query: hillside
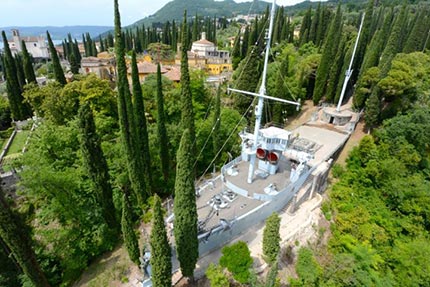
[[57, 33], [174, 10]]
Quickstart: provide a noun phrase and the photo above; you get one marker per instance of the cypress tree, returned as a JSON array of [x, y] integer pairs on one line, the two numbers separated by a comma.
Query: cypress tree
[[330, 50], [394, 42], [28, 65], [364, 40], [102, 46], [77, 53], [305, 27], [216, 141], [271, 238], [323, 25], [235, 54], [314, 25], [126, 117], [174, 37], [12, 84], [249, 70], [74, 67], [245, 40], [14, 234], [335, 73], [195, 34], [415, 41], [96, 165], [372, 113], [187, 111], [185, 208], [20, 71], [142, 142], [161, 252], [58, 70], [129, 235], [163, 141]]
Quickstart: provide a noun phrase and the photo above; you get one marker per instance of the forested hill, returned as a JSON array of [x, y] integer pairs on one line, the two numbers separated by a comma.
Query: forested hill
[[174, 10], [228, 8]]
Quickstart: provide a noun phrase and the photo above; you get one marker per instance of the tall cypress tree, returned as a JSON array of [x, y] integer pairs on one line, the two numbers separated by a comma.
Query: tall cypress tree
[[306, 27], [245, 40], [187, 110], [185, 208], [415, 41], [161, 252], [235, 54], [58, 70], [129, 235], [14, 234], [250, 71], [314, 24], [28, 65], [330, 50], [96, 164], [394, 42], [163, 141], [20, 71], [216, 141], [126, 117], [142, 142], [12, 83]]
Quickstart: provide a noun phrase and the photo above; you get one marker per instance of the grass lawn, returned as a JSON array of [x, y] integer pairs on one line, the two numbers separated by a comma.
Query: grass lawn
[[18, 143]]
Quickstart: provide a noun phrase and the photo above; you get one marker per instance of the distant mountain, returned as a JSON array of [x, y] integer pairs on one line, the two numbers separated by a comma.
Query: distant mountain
[[175, 10], [58, 33]]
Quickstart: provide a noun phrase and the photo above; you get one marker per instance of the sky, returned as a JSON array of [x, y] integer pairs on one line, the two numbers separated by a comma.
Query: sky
[[82, 12]]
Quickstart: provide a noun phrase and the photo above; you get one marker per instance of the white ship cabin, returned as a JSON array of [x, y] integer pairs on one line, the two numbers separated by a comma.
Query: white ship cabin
[[271, 143]]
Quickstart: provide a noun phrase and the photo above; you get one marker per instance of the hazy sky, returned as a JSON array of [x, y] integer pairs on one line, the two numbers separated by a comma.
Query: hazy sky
[[81, 12]]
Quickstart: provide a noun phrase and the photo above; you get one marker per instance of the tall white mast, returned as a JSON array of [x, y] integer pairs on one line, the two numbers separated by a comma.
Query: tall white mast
[[261, 96], [348, 72]]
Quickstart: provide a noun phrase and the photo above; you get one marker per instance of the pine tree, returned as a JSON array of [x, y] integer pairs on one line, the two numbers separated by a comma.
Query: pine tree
[[271, 238], [126, 116], [12, 83], [142, 141], [163, 141], [161, 252], [28, 65], [58, 70], [185, 208], [96, 164], [216, 140], [129, 235], [195, 34], [187, 110], [14, 234], [330, 50]]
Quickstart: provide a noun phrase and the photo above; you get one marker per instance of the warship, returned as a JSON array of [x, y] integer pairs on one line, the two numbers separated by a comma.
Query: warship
[[276, 171]]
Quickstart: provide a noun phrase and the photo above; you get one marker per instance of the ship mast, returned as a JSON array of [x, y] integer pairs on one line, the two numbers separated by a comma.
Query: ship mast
[[348, 72], [261, 96]]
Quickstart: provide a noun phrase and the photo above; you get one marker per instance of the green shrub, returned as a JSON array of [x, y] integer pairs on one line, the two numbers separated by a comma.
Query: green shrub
[[237, 259]]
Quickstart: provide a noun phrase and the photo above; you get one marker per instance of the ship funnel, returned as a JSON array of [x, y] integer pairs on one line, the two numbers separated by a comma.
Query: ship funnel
[[273, 157]]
